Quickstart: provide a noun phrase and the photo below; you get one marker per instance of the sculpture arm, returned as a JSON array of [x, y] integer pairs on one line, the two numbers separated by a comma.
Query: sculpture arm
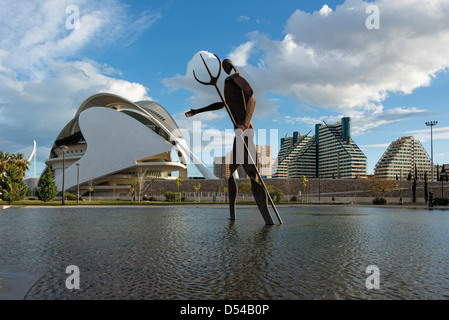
[[211, 107]]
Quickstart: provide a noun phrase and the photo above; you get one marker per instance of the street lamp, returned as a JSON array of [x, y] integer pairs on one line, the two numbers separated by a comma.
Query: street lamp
[[431, 124], [78, 181], [64, 148], [443, 172]]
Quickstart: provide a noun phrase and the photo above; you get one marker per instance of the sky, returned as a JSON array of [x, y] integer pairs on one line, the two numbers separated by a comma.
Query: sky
[[383, 63]]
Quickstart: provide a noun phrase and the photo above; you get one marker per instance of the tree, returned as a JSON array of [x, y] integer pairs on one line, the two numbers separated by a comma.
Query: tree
[[13, 186], [47, 189], [304, 185], [271, 190], [381, 187], [279, 195], [245, 187], [132, 189], [197, 188], [409, 177], [414, 186], [11, 160], [90, 187], [140, 185], [426, 187], [225, 191], [178, 183]]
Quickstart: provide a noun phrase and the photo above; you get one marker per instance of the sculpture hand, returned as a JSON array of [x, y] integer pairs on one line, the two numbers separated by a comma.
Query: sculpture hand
[[190, 113]]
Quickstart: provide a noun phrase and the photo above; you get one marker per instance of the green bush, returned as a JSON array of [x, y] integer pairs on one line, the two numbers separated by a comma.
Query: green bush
[[70, 196], [441, 201], [170, 196], [279, 195], [174, 196], [293, 199], [380, 201]]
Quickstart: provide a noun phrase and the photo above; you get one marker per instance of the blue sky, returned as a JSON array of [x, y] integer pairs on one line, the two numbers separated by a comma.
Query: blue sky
[[308, 62]]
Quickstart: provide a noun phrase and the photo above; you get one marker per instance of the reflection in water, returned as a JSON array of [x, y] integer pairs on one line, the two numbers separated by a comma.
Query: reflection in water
[[197, 253], [246, 264]]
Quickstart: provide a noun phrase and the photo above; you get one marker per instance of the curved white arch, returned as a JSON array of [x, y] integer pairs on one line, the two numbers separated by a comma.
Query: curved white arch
[[101, 111], [112, 101], [112, 146]]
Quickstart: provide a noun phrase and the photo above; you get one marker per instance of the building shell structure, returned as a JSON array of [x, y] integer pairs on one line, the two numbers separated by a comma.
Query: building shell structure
[[112, 141]]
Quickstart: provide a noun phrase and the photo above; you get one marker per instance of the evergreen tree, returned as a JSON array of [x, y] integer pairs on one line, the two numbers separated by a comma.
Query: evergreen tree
[[47, 189], [13, 186], [409, 177], [414, 186], [426, 187]]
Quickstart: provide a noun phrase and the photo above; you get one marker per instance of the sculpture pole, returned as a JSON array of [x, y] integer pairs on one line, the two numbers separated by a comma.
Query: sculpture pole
[[213, 82]]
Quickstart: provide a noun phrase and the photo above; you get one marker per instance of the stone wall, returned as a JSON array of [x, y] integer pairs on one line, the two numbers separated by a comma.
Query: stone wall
[[323, 188]]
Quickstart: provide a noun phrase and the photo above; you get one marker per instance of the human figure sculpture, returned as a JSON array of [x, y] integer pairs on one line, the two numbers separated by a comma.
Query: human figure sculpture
[[239, 98]]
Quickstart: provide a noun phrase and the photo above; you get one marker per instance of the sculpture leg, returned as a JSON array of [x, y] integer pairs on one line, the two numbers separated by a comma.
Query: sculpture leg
[[232, 189], [259, 194]]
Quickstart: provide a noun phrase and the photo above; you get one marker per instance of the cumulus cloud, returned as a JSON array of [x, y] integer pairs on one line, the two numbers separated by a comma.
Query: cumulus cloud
[[325, 10], [360, 122], [42, 79], [239, 56], [330, 60], [334, 61], [441, 133]]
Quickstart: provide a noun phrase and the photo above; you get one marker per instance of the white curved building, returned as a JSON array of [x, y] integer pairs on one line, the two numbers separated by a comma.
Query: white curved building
[[115, 141]]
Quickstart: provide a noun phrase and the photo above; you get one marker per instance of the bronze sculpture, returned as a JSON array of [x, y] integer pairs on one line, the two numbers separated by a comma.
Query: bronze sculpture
[[240, 104]]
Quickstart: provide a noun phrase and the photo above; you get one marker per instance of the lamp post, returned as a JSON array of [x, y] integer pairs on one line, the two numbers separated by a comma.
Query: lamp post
[[78, 182], [443, 172], [64, 148], [431, 124]]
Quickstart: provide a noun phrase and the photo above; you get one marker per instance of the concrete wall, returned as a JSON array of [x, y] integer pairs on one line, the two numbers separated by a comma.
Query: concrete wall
[[345, 191]]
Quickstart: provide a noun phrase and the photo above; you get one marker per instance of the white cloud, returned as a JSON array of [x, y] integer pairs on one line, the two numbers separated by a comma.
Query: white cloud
[[325, 10], [360, 123], [375, 145], [423, 135], [243, 18], [332, 61], [203, 95], [42, 82], [239, 56]]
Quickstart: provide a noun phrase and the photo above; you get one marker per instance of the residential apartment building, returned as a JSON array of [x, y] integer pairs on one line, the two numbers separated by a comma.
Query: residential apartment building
[[264, 164], [401, 158], [295, 149], [330, 153], [264, 160]]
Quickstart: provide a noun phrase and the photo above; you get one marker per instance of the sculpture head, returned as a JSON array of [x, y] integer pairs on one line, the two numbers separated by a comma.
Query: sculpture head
[[228, 66]]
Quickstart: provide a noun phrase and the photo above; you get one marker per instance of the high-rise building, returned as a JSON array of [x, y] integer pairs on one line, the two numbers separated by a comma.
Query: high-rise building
[[290, 147], [401, 158], [264, 160], [330, 153], [221, 167], [264, 164]]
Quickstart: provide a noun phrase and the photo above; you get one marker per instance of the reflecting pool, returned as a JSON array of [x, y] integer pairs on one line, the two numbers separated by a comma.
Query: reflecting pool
[[188, 252]]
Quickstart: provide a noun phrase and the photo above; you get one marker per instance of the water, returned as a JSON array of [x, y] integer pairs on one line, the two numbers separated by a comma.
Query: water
[[179, 252]]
